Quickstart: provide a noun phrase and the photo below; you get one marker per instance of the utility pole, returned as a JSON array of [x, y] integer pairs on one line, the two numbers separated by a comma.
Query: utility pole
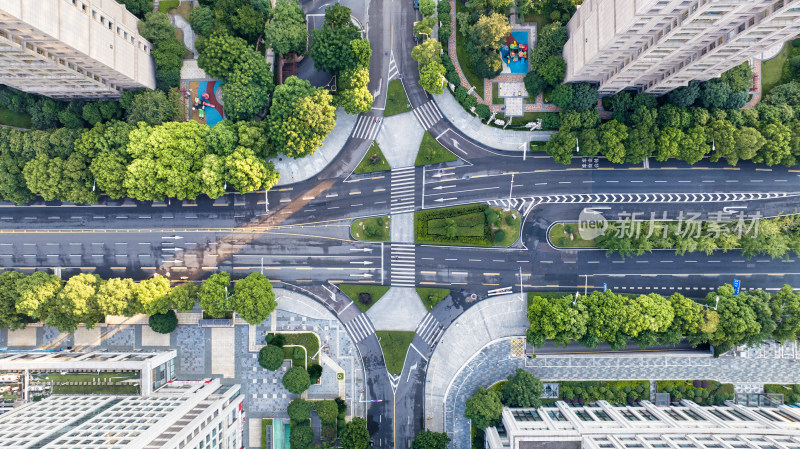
[[521, 292], [511, 190], [586, 285], [262, 265], [266, 201]]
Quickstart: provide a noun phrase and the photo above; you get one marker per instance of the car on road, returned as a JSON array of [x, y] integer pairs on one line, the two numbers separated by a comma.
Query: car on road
[[416, 4]]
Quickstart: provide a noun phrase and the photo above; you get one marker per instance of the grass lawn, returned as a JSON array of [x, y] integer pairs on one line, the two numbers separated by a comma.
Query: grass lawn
[[184, 9], [395, 346], [96, 389], [166, 5], [496, 94], [463, 57], [373, 161], [375, 229], [540, 20], [569, 238], [307, 340], [265, 422], [353, 290], [79, 377], [772, 70], [10, 118], [468, 225], [432, 296], [432, 152], [790, 392], [396, 99]]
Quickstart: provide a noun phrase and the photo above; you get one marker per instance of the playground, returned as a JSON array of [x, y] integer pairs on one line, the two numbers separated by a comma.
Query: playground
[[205, 100], [515, 52]]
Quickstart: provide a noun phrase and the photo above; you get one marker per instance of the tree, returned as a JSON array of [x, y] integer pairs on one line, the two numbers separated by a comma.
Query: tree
[[714, 94], [487, 65], [430, 77], [213, 294], [489, 31], [10, 318], [244, 101], [296, 380], [612, 136], [561, 146], [152, 295], [668, 143], [137, 7], [75, 304], [693, 146], [553, 70], [327, 410], [562, 95], [584, 97], [427, 7], [427, 439], [557, 320], [253, 298], [748, 142], [270, 357], [788, 93], [723, 135], [299, 410], [163, 323], [152, 107], [337, 16], [300, 117], [522, 390], [35, 293], [355, 435], [685, 96], [356, 101], [589, 143], [534, 84], [776, 147], [202, 20], [156, 27], [183, 297], [302, 436], [484, 408], [286, 30], [427, 52], [117, 296], [331, 49], [220, 53], [222, 138]]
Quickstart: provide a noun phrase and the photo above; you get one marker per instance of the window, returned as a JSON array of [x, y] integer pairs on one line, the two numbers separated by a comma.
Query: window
[[693, 415], [629, 415]]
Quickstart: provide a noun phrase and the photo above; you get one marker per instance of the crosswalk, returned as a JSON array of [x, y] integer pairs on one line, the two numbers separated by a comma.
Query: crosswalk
[[525, 204], [430, 329], [402, 266], [360, 327], [428, 114], [403, 184], [367, 127]]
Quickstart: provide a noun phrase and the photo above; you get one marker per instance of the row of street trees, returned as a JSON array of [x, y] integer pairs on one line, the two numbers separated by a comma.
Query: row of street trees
[[87, 298], [751, 317]]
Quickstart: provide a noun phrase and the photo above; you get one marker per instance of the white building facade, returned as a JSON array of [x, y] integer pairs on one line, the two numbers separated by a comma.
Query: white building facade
[[646, 426], [192, 415], [64, 49], [656, 46]]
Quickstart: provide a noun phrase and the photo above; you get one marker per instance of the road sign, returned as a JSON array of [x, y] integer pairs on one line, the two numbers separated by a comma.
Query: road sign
[[736, 284], [604, 286]]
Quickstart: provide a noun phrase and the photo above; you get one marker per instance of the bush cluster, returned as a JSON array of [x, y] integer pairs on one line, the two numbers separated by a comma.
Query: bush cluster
[[791, 393], [703, 392], [422, 219], [615, 392]]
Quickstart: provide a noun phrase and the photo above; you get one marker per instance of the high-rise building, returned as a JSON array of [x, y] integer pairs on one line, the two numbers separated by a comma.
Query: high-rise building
[[89, 49], [192, 415], [657, 45], [647, 426]]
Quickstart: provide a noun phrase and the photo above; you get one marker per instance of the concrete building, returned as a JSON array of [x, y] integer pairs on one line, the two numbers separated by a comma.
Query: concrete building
[[64, 49], [26, 375], [193, 415], [646, 426], [658, 45]]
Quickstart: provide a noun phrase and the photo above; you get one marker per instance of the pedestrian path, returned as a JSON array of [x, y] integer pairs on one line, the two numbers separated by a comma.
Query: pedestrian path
[[367, 127], [359, 327], [403, 183], [525, 204], [430, 329], [428, 114], [403, 272]]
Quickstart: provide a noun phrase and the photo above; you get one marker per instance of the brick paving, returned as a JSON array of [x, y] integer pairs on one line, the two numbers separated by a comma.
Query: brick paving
[[756, 65]]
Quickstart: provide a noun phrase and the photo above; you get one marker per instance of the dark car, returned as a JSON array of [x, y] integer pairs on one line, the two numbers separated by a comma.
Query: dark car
[[416, 4]]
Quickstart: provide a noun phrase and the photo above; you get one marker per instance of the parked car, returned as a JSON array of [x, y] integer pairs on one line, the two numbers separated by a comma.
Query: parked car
[[416, 4]]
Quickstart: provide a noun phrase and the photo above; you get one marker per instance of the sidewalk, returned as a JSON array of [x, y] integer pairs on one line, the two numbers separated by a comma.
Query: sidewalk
[[473, 128], [296, 170]]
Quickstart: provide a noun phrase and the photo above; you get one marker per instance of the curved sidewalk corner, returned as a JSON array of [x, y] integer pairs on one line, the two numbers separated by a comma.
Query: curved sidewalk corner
[[463, 343], [475, 129], [296, 170]]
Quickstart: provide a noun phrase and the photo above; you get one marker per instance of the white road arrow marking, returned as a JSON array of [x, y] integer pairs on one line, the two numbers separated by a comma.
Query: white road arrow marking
[[363, 262], [455, 144], [439, 200], [361, 275], [443, 187], [366, 250]]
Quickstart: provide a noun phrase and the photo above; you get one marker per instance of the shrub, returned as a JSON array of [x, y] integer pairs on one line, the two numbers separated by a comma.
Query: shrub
[[298, 353], [444, 37], [365, 298], [461, 94], [499, 236], [314, 372], [444, 23], [379, 221], [555, 15], [270, 357], [299, 410], [483, 111], [327, 411], [443, 7], [163, 323], [470, 102], [296, 380], [275, 340]]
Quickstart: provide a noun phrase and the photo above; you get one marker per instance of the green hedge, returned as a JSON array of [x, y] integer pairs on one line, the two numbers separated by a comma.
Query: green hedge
[[615, 392], [790, 392], [703, 392], [466, 213]]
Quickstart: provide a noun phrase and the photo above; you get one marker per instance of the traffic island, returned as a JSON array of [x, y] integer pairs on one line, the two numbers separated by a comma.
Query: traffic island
[[375, 229], [432, 152], [468, 225], [432, 296], [566, 235], [364, 296], [395, 346], [396, 99], [373, 161]]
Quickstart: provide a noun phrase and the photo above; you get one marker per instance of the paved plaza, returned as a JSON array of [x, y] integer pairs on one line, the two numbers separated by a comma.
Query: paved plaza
[[399, 139]]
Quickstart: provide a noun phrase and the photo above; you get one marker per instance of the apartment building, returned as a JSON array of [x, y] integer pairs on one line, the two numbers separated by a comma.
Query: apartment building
[[191, 414], [657, 45], [65, 49], [647, 426]]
